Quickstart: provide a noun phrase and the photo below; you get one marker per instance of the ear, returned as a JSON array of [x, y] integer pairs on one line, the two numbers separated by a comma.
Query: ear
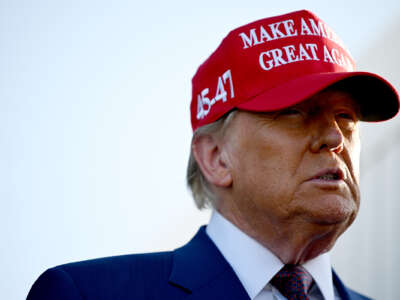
[[210, 158]]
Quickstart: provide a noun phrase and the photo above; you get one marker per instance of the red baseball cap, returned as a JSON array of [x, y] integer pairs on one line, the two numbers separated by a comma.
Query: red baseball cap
[[280, 61]]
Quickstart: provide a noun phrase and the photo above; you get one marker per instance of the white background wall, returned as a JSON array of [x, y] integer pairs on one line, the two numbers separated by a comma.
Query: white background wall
[[95, 131]]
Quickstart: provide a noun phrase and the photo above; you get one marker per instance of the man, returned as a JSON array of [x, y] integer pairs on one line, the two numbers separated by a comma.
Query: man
[[275, 152]]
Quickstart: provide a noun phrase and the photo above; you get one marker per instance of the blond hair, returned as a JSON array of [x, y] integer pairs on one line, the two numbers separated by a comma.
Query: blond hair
[[202, 194]]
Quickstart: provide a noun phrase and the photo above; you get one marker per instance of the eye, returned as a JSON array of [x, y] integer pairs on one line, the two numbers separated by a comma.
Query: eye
[[347, 120], [347, 116]]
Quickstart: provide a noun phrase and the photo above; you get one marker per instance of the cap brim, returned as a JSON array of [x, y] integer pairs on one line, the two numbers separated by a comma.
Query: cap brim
[[377, 98]]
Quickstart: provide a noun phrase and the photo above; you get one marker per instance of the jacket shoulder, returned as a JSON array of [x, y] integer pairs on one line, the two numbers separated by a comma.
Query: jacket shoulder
[[54, 283], [357, 296], [345, 292], [118, 277]]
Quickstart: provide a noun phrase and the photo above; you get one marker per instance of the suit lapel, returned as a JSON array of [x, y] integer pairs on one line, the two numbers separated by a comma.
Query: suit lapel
[[199, 267], [342, 290]]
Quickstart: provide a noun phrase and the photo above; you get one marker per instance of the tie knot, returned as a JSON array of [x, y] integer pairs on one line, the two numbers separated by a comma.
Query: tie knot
[[293, 282]]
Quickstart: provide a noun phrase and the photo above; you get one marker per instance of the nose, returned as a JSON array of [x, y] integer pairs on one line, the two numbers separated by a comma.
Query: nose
[[327, 135]]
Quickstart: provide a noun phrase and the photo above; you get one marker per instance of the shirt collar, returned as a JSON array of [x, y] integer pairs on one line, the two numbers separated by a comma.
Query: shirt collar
[[254, 264], [321, 270]]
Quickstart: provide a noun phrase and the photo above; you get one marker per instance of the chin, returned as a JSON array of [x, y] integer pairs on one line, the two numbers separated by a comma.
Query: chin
[[330, 220], [333, 210]]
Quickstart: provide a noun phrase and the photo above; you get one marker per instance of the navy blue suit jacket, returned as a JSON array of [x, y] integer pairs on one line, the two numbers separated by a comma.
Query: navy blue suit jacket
[[195, 271]]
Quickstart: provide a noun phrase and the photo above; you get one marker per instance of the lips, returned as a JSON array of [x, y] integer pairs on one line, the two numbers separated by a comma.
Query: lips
[[331, 174]]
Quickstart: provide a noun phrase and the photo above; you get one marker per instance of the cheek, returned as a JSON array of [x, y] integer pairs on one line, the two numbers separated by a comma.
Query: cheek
[[266, 172], [260, 158], [354, 154]]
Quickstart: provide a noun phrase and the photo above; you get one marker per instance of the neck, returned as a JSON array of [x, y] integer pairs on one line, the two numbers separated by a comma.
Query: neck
[[292, 243]]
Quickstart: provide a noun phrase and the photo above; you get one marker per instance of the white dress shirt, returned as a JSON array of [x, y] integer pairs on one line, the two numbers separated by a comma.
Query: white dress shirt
[[255, 265]]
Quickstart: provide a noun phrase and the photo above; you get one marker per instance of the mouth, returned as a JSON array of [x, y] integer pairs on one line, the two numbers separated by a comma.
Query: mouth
[[329, 175]]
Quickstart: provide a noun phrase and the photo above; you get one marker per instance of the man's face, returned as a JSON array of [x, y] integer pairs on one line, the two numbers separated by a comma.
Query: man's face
[[297, 166]]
